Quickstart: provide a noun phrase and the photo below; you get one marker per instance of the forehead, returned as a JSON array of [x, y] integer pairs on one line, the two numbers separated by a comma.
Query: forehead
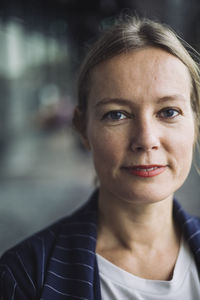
[[151, 70]]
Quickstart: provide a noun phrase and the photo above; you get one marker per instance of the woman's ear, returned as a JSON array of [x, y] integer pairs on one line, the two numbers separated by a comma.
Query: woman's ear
[[79, 122]]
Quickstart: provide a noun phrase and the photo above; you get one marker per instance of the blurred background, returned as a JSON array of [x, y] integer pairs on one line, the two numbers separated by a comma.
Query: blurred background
[[44, 171]]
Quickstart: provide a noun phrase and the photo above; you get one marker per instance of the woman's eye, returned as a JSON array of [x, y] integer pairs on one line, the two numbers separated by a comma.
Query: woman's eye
[[169, 113], [115, 115]]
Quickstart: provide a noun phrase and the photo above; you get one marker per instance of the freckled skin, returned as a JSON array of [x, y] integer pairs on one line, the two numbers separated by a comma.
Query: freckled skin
[[142, 77]]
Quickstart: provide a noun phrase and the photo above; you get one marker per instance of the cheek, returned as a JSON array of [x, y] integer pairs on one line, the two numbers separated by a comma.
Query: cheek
[[181, 150], [107, 149]]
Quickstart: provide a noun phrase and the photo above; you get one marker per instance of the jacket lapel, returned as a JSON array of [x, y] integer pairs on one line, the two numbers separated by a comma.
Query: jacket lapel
[[73, 269], [191, 229]]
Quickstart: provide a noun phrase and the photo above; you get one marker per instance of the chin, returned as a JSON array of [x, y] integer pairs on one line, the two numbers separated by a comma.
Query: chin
[[145, 197], [141, 192]]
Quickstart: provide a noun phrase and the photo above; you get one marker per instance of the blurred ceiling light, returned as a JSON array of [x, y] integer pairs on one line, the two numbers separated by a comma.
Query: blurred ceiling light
[[20, 49]]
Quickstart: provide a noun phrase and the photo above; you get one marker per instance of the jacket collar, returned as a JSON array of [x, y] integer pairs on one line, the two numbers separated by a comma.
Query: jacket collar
[[190, 226], [73, 261]]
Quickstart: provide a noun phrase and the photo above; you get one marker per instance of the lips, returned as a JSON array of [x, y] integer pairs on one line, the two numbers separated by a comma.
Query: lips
[[146, 170]]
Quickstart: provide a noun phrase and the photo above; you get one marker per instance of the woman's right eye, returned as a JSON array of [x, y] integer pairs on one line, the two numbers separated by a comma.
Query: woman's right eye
[[114, 115]]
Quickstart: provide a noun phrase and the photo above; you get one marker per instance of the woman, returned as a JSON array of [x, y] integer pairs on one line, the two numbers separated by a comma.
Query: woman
[[138, 114]]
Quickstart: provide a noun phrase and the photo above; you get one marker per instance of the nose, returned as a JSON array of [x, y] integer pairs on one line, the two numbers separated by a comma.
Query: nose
[[145, 137]]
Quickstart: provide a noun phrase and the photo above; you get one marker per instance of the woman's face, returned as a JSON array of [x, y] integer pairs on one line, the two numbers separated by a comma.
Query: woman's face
[[140, 125]]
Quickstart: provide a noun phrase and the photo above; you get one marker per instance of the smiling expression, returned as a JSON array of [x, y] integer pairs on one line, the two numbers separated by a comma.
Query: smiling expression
[[140, 125]]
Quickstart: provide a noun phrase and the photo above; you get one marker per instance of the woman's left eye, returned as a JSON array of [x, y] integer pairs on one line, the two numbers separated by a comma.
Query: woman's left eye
[[115, 115], [169, 113]]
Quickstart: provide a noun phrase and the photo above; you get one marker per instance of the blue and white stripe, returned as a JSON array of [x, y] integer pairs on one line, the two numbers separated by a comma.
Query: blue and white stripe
[[60, 261]]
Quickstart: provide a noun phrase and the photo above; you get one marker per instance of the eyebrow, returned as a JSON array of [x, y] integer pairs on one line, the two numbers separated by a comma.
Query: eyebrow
[[122, 101], [172, 98]]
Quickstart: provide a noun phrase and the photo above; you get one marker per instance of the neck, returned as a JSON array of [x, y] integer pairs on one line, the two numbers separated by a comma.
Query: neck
[[132, 225]]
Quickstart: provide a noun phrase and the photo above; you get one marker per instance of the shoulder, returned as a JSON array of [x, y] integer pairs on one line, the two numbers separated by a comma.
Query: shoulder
[[23, 267]]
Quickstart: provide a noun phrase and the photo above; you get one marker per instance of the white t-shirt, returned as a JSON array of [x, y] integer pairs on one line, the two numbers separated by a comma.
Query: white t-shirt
[[119, 284]]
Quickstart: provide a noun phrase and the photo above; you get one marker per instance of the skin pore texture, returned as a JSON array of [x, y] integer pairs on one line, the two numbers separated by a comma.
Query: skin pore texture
[[139, 120]]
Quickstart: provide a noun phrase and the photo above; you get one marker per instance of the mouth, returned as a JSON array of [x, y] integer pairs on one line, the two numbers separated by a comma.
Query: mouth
[[146, 170]]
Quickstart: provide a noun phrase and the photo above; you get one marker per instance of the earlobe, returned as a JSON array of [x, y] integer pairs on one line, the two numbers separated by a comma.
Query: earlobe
[[85, 140], [86, 143], [79, 122]]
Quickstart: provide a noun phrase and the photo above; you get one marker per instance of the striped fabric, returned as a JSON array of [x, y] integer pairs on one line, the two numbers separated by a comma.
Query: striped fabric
[[60, 262]]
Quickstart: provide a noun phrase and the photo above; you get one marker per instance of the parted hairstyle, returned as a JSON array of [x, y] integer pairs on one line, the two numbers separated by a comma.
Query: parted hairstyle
[[133, 33]]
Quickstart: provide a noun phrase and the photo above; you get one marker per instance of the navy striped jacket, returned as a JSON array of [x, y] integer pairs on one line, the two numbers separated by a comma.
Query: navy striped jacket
[[60, 262]]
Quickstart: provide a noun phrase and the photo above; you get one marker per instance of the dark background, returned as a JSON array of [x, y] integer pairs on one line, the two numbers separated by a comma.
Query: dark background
[[44, 171]]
